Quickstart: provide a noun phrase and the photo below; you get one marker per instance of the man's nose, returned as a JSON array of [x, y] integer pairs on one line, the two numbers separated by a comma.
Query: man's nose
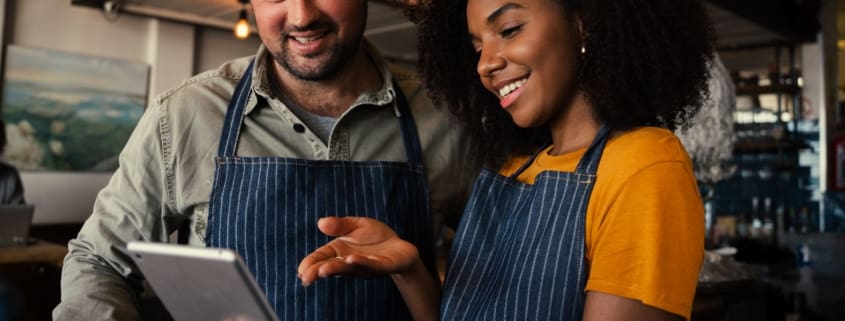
[[302, 13]]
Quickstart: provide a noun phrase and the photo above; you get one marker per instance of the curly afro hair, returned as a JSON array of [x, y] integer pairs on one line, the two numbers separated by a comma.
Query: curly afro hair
[[646, 64]]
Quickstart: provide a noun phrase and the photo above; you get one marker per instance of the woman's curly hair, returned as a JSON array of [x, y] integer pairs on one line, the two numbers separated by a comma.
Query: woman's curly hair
[[646, 64]]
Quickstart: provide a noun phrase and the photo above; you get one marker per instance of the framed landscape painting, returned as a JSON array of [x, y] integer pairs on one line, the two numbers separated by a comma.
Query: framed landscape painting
[[69, 112]]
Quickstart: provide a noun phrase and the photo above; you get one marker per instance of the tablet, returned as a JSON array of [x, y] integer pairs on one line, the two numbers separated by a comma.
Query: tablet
[[206, 284]]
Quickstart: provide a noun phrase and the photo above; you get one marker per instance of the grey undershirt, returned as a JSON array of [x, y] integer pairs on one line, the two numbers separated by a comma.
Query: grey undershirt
[[321, 125]]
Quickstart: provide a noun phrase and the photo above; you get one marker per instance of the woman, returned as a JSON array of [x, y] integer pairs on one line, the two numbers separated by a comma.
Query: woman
[[595, 214]]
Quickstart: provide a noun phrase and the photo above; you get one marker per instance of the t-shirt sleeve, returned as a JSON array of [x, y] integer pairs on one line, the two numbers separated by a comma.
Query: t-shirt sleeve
[[647, 241]]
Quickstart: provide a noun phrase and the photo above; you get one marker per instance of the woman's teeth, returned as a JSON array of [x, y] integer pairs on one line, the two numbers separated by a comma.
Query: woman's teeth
[[511, 87]]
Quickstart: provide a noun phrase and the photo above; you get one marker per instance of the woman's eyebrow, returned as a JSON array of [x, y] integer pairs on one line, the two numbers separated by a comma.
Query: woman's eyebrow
[[505, 8]]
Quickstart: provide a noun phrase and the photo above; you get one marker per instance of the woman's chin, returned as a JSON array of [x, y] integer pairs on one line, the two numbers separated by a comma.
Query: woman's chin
[[522, 120]]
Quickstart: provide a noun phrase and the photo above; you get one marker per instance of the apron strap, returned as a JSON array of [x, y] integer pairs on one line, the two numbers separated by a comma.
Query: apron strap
[[528, 162], [413, 150], [589, 161], [235, 115]]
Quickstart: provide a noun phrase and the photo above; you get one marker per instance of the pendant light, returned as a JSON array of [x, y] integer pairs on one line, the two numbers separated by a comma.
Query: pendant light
[[242, 26]]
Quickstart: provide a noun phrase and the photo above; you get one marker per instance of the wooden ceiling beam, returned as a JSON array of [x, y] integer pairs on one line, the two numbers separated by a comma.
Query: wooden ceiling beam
[[795, 20]]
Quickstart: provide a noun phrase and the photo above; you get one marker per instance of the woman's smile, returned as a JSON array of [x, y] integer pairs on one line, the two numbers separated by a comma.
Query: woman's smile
[[509, 92]]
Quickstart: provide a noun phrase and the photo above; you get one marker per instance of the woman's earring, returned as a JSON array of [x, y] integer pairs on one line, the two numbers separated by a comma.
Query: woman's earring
[[583, 49]]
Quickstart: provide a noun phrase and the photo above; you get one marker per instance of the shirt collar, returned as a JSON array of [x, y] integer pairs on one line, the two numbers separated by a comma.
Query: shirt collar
[[261, 80]]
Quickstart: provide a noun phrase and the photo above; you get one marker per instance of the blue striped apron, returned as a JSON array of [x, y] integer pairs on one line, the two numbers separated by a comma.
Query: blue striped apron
[[266, 209], [518, 253]]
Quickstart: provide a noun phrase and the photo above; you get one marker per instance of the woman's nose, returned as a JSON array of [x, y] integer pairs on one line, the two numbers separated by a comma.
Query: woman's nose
[[489, 62]]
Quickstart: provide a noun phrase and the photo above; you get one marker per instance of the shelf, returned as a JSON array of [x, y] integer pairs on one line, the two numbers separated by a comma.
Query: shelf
[[768, 146], [745, 90]]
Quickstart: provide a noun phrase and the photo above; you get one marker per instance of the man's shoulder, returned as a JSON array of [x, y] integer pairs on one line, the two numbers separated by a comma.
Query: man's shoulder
[[212, 83], [412, 87], [402, 73], [409, 82]]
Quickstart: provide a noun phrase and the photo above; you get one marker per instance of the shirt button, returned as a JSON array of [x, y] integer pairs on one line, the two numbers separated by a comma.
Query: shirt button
[[298, 128]]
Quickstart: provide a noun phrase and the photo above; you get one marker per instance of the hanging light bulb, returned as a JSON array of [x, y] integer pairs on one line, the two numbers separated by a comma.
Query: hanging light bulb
[[242, 26]]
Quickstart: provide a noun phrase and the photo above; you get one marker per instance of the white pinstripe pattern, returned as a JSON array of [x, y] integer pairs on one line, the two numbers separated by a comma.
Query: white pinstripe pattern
[[264, 274], [558, 254], [524, 271], [347, 205], [510, 249], [297, 229], [243, 208], [519, 249], [552, 231], [276, 236], [216, 237], [251, 193], [459, 254], [301, 227]]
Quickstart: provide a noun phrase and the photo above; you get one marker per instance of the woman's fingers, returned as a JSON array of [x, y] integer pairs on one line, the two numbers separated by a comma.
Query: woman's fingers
[[354, 265], [367, 266], [363, 247], [356, 230], [324, 269], [337, 226], [323, 253]]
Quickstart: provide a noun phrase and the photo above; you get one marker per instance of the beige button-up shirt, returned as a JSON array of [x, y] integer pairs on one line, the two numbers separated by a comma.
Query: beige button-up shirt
[[167, 170]]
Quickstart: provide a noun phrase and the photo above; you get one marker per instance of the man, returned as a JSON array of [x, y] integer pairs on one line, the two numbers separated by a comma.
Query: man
[[248, 156]]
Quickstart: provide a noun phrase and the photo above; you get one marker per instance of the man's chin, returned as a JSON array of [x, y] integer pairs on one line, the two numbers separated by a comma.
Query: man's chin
[[310, 72], [315, 66]]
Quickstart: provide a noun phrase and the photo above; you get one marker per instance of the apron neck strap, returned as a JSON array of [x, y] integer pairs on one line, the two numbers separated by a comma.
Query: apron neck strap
[[589, 161], [410, 136], [237, 105], [235, 114]]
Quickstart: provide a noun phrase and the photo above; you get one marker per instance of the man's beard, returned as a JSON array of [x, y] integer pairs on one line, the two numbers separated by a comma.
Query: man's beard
[[340, 54]]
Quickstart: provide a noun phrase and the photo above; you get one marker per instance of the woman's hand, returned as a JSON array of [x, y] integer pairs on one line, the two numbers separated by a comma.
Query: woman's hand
[[363, 247]]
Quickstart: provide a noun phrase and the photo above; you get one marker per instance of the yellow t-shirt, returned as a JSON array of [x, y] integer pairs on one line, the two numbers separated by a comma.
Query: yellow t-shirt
[[645, 220]]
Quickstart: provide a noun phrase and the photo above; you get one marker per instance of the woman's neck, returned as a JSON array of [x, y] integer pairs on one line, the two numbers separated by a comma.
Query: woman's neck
[[575, 127]]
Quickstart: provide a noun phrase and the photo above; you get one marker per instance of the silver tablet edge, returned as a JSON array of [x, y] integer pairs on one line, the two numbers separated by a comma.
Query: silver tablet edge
[[181, 250]]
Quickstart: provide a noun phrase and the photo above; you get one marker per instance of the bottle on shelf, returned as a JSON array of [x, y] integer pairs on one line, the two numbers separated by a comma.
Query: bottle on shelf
[[792, 221], [780, 221], [804, 220], [806, 285], [755, 230], [742, 225], [768, 228]]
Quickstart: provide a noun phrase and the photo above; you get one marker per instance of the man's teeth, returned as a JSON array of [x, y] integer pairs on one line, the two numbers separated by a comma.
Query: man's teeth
[[307, 39], [511, 87]]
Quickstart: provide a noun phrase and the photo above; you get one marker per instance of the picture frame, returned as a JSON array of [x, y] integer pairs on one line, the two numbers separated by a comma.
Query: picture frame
[[67, 111]]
